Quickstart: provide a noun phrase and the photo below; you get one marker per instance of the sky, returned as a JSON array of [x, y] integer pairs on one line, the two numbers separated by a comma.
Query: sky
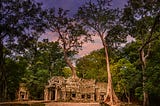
[[73, 5]]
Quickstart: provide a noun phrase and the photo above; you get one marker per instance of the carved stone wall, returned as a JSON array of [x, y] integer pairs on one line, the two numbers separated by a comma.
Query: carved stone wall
[[61, 89]]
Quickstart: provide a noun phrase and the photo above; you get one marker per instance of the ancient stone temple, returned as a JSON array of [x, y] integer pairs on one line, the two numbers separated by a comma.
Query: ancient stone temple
[[61, 89], [23, 92]]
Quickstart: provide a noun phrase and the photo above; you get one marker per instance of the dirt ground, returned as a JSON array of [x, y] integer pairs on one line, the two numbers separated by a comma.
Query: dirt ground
[[49, 103], [71, 104]]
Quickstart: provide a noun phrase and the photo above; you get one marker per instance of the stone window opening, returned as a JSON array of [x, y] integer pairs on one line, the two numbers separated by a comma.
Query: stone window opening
[[83, 96], [88, 96], [68, 94], [102, 97], [22, 95], [73, 95]]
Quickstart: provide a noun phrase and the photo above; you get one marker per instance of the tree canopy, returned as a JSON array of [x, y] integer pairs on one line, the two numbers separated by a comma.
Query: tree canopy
[[21, 22], [70, 34]]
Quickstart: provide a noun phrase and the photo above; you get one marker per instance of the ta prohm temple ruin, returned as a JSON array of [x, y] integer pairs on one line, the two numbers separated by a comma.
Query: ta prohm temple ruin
[[76, 90]]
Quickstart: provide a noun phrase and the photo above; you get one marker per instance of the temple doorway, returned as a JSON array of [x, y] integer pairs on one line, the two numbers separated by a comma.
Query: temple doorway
[[53, 93]]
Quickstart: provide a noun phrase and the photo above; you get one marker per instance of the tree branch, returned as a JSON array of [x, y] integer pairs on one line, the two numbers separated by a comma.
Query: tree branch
[[148, 50]]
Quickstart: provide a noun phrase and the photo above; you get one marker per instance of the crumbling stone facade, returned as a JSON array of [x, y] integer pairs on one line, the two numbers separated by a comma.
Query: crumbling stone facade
[[61, 89], [23, 93]]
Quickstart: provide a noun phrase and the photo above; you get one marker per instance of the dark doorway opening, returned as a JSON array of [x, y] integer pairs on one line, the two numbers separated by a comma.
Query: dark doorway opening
[[52, 93]]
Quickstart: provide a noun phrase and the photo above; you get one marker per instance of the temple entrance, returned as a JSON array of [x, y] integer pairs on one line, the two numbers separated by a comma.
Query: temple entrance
[[52, 93]]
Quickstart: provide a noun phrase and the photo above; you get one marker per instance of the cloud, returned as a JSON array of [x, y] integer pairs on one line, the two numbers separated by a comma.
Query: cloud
[[49, 35], [89, 47]]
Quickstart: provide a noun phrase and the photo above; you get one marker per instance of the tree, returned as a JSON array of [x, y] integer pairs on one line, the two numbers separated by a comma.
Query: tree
[[123, 75], [51, 56], [70, 34], [14, 68], [130, 53], [142, 19], [102, 21], [21, 21], [44, 61], [153, 72]]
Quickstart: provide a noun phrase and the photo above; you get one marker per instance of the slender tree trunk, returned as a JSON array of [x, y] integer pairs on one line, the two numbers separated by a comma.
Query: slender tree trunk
[[143, 64], [127, 95], [3, 83], [128, 99], [69, 63], [111, 97], [67, 60]]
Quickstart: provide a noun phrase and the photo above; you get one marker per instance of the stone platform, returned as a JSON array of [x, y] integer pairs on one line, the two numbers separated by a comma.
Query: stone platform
[[71, 104]]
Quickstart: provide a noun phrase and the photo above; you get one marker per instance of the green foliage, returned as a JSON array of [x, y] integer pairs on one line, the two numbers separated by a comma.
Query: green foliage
[[67, 72], [93, 66], [153, 70], [130, 51], [125, 77], [21, 23], [15, 71], [45, 61], [51, 56], [142, 20], [36, 82], [139, 93]]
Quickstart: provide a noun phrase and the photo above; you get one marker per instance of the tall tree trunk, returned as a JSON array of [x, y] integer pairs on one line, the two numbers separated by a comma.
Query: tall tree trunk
[[3, 83], [111, 97], [69, 63], [143, 64]]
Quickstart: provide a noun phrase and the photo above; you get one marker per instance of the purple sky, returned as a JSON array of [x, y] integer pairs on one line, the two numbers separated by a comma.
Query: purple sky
[[73, 5]]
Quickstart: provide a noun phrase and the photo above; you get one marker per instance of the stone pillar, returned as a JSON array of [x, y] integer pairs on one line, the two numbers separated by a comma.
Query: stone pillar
[[92, 96], [27, 95], [49, 94], [64, 95], [46, 94], [56, 94]]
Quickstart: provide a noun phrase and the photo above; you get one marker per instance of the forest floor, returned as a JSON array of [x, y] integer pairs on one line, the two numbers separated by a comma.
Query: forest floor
[[51, 103]]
